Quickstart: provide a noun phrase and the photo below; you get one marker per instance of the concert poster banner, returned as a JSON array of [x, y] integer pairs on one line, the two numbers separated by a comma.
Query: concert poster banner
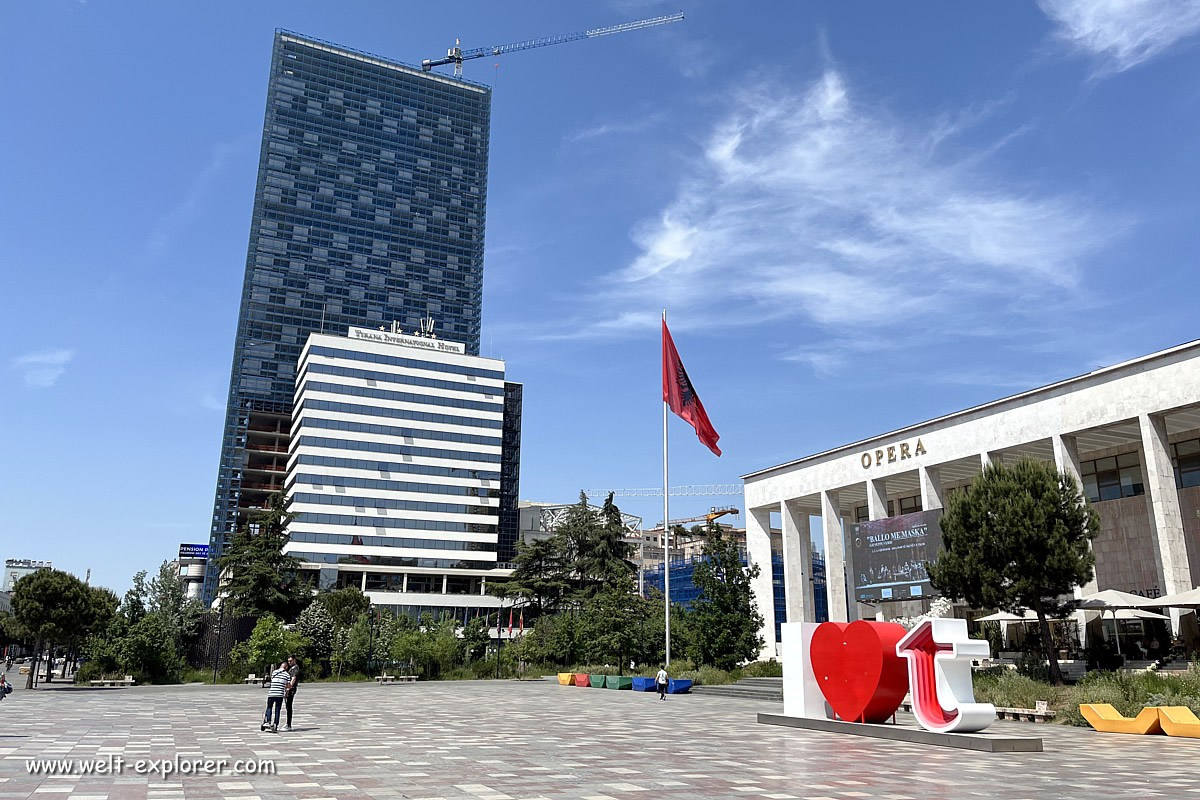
[[890, 556]]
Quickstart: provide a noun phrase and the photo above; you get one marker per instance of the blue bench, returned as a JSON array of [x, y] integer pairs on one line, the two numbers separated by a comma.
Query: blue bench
[[643, 684], [679, 686]]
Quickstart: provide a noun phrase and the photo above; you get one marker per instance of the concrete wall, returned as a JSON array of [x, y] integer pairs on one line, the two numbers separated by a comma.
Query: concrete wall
[[1189, 509], [1125, 555]]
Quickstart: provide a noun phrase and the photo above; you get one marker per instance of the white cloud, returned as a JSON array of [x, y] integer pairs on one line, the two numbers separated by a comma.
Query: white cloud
[[1123, 33], [621, 127], [42, 369], [190, 206], [813, 207]]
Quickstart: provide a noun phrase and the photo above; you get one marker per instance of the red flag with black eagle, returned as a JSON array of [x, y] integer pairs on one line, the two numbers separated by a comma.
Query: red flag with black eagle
[[680, 394]]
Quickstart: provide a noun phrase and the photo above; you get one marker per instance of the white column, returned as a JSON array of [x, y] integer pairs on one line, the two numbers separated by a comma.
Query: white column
[[444, 579], [483, 586], [363, 586], [877, 498], [1066, 460], [758, 550], [1162, 501], [404, 586], [931, 488], [797, 564], [835, 560]]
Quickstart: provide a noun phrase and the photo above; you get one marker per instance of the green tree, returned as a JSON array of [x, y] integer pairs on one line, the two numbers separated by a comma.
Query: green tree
[[147, 650], [611, 563], [266, 646], [475, 638], [539, 577], [339, 652], [316, 626], [50, 606], [360, 643], [345, 605], [258, 577], [1018, 538], [724, 620], [166, 594], [595, 554]]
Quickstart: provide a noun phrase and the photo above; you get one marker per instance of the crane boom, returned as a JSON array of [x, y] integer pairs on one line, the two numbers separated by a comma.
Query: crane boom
[[456, 55], [698, 490]]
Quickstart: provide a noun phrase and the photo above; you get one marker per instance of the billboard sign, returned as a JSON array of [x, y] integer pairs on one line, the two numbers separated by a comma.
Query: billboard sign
[[890, 555], [193, 551]]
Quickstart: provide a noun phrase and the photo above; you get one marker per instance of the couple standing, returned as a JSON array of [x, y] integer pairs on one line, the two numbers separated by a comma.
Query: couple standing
[[282, 687]]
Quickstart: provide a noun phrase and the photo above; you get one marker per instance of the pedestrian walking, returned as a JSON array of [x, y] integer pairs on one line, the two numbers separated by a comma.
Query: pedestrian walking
[[278, 688], [662, 681], [293, 682]]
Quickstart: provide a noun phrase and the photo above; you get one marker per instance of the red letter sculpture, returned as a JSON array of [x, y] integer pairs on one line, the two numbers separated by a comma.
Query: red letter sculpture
[[859, 669], [939, 654]]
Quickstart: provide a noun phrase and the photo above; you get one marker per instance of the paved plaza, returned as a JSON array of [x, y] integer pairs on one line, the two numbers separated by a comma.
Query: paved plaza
[[498, 740]]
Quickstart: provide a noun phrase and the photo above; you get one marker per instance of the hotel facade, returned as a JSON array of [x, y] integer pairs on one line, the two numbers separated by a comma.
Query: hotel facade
[[402, 470], [369, 207], [1129, 433]]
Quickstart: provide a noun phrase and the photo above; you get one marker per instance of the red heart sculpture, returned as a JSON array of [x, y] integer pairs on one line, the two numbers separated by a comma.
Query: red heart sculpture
[[858, 670]]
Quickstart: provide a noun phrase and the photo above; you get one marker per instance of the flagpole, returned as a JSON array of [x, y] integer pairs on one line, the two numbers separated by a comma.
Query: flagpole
[[666, 534]]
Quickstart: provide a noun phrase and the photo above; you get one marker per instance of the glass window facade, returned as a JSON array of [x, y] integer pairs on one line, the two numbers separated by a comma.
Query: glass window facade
[[1112, 478], [369, 208], [510, 474]]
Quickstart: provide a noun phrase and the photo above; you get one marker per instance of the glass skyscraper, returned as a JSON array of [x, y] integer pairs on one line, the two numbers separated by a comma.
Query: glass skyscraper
[[369, 209]]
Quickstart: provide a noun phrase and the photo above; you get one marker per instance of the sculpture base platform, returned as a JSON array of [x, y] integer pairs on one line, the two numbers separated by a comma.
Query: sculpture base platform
[[987, 741]]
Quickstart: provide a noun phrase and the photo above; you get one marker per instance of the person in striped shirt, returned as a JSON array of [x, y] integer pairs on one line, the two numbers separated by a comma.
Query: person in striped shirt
[[280, 679]]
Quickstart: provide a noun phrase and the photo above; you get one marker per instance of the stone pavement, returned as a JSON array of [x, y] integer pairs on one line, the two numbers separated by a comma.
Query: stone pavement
[[496, 740]]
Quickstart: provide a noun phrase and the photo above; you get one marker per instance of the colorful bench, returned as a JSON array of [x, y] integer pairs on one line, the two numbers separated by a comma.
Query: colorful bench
[[1179, 721], [679, 686], [596, 681], [618, 682], [1106, 719], [643, 684], [581, 679], [566, 679]]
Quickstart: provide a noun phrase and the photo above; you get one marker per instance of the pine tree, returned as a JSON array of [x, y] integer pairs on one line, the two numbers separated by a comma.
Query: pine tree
[[539, 576], [259, 577], [1015, 539]]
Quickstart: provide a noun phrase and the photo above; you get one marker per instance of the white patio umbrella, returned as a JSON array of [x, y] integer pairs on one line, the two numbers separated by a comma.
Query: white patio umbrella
[[1004, 616], [1188, 599], [1114, 601]]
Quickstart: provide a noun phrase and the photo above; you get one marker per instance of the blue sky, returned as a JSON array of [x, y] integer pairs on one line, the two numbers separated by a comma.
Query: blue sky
[[859, 216]]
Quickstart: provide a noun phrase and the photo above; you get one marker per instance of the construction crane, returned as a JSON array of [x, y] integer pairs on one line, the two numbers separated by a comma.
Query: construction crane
[[456, 55], [696, 490], [714, 513]]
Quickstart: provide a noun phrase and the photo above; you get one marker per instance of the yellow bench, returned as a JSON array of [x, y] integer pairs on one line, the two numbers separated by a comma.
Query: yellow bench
[[1103, 717], [566, 678], [1179, 721]]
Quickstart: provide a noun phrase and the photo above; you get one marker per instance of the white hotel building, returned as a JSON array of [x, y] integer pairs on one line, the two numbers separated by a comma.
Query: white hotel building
[[1130, 434], [402, 470]]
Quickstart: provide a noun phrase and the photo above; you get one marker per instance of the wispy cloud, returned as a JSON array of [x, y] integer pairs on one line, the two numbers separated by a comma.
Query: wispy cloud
[[819, 209], [43, 369], [624, 127], [189, 207], [1121, 34]]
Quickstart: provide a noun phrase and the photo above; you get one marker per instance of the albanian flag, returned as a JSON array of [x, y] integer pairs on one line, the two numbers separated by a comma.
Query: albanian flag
[[680, 395]]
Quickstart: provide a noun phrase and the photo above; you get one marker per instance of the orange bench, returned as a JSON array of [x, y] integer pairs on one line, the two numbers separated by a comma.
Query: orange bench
[[1179, 721], [1103, 717]]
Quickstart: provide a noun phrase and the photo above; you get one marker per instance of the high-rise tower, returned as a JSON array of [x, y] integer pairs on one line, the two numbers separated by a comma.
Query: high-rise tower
[[369, 209]]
